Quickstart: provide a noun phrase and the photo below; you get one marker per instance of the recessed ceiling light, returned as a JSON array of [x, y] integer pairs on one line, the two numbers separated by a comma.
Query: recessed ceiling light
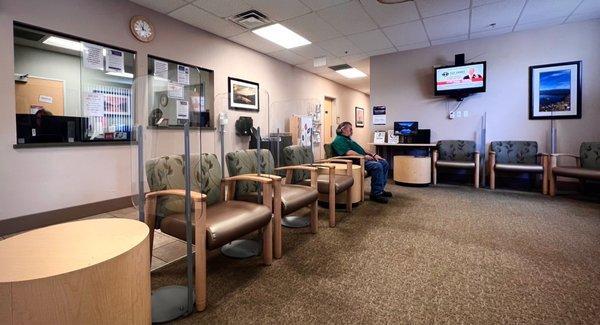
[[348, 71], [63, 42], [281, 36]]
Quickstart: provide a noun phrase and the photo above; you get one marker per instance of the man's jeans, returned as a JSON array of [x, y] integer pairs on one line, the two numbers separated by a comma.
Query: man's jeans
[[379, 174]]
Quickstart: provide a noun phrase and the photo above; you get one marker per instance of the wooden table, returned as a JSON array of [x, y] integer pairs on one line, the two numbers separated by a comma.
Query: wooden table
[[340, 169], [409, 170], [83, 272]]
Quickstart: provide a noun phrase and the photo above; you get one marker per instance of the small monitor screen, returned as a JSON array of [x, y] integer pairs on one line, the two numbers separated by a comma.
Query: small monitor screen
[[406, 128], [463, 78]]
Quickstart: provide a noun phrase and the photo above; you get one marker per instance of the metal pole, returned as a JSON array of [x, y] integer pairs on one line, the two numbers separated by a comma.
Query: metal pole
[[141, 199], [222, 136], [483, 153], [188, 217], [553, 133]]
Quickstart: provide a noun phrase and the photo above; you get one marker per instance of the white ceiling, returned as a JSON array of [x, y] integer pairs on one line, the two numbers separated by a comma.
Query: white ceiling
[[351, 31]]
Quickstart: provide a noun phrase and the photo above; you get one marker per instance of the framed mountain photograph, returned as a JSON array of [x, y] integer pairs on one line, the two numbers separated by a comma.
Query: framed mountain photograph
[[555, 91]]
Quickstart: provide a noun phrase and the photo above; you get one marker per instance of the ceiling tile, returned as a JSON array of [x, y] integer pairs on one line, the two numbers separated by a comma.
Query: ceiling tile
[[491, 32], [280, 9], [503, 14], [448, 25], [309, 66], [589, 9], [197, 17], [321, 4], [542, 10], [354, 58], [312, 27], [407, 33], [429, 8], [413, 46], [382, 52], [539, 24], [253, 41], [477, 3], [164, 6], [223, 8], [390, 14], [310, 51], [340, 47], [348, 18], [450, 40], [287, 56], [370, 41]]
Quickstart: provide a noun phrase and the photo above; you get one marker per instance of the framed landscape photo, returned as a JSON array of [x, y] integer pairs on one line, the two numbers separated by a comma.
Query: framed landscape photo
[[555, 91], [243, 95], [359, 117]]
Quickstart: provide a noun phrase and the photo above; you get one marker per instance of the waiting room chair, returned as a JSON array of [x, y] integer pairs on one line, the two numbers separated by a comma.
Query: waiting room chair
[[587, 165], [459, 154], [330, 183], [217, 218], [329, 154], [517, 156], [287, 198]]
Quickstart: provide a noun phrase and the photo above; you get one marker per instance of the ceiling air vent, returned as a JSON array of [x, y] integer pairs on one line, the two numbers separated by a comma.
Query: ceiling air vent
[[250, 19]]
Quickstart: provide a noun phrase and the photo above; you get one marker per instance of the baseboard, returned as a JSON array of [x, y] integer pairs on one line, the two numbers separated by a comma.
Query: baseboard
[[42, 219]]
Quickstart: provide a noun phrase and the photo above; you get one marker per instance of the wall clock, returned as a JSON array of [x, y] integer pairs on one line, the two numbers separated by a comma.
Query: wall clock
[[142, 28]]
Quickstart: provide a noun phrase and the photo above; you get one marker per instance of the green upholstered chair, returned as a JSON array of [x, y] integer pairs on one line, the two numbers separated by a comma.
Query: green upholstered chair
[[329, 154], [517, 156], [329, 183], [587, 165], [287, 197], [217, 219], [456, 154]]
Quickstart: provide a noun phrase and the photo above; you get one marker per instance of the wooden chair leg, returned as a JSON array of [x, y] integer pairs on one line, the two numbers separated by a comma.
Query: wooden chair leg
[[200, 256], [476, 176], [552, 180], [268, 243], [331, 208], [492, 178], [150, 216], [277, 234], [434, 173], [314, 217], [545, 175], [348, 200]]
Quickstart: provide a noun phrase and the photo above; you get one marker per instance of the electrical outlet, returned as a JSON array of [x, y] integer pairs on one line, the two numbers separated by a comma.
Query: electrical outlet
[[466, 114], [458, 114], [451, 116]]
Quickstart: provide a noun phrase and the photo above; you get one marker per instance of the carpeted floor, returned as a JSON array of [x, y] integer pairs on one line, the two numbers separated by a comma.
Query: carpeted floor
[[437, 254]]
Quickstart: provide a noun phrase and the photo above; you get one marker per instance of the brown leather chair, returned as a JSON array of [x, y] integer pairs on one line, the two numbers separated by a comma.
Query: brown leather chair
[[360, 160], [287, 197], [517, 157], [587, 165], [217, 218], [459, 154], [329, 183]]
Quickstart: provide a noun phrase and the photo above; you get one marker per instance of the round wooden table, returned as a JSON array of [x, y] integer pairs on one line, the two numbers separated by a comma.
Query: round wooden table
[[340, 169], [410, 170], [84, 272]]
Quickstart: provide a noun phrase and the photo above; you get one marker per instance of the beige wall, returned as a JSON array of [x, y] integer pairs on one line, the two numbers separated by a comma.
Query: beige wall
[[37, 180], [404, 82]]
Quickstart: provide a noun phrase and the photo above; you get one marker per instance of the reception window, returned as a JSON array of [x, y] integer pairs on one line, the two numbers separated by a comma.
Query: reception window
[[71, 91]]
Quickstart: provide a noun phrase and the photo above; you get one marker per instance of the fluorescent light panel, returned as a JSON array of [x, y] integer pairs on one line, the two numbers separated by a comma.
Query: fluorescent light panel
[[281, 36], [63, 42], [351, 73], [121, 74]]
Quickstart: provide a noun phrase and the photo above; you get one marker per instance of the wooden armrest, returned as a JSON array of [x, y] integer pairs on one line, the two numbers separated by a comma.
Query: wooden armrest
[[543, 154], [348, 157], [492, 152], [263, 178], [198, 197], [334, 160], [297, 167], [320, 166], [564, 154]]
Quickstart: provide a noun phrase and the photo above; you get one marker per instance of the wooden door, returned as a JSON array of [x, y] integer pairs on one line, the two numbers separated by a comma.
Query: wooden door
[[328, 128]]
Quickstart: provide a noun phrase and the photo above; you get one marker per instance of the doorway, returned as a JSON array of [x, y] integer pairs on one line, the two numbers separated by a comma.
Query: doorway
[[328, 119]]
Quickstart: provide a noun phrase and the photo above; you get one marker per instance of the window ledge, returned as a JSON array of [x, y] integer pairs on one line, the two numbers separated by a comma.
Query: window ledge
[[73, 144]]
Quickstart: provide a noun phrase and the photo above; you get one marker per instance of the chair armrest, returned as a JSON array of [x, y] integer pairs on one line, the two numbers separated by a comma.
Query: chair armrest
[[263, 178], [297, 167], [554, 158], [359, 157], [342, 161], [198, 197], [564, 154]]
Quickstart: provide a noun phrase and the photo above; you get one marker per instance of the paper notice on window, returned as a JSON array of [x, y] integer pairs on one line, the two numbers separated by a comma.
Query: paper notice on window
[[161, 69], [93, 104], [175, 90], [183, 74], [45, 99], [183, 109], [379, 116], [115, 61], [92, 56], [195, 104]]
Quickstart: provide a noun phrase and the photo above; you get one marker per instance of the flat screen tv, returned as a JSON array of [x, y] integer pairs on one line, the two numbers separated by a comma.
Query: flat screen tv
[[406, 128], [460, 80]]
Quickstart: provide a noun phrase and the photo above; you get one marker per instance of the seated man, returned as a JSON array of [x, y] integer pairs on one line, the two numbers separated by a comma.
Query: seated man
[[374, 164]]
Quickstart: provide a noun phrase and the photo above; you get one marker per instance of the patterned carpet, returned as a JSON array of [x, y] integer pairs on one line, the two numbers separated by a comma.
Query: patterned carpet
[[433, 255]]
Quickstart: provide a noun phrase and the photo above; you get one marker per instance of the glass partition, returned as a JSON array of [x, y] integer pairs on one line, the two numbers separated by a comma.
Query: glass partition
[[71, 91]]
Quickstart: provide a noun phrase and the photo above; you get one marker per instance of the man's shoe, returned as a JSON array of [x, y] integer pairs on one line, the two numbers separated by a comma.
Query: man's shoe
[[387, 194], [380, 199]]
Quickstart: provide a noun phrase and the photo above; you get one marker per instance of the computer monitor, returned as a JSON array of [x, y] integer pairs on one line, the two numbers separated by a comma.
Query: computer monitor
[[406, 128]]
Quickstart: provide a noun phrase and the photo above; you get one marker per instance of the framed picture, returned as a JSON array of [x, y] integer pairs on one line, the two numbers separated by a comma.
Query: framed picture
[[359, 117], [243, 95], [555, 91]]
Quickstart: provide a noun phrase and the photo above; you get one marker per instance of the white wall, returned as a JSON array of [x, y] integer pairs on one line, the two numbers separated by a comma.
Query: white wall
[[37, 180], [404, 83]]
